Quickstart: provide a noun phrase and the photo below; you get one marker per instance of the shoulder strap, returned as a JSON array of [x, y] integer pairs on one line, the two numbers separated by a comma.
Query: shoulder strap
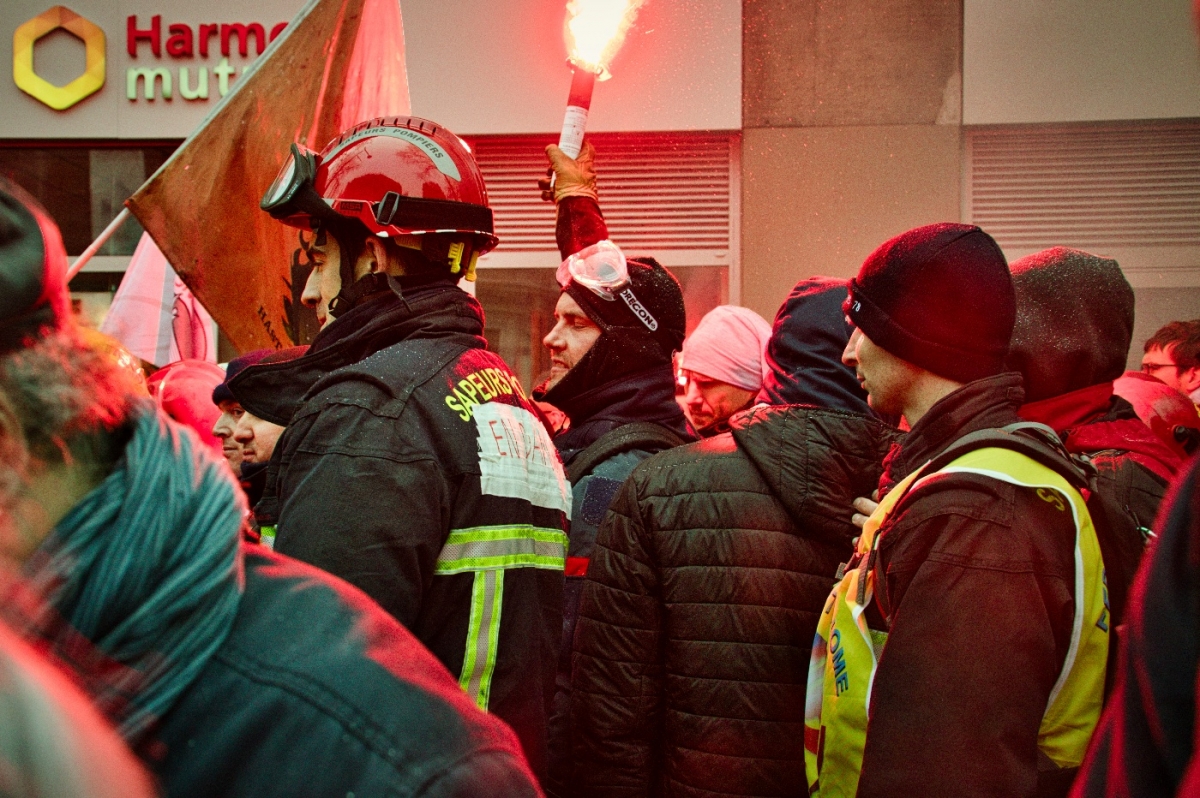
[[640, 435], [1036, 441]]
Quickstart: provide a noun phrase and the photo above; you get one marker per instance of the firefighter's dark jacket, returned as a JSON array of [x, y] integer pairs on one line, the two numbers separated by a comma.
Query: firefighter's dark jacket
[[388, 416]]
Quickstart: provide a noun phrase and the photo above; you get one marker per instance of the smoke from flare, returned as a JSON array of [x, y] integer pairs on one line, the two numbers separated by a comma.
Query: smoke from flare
[[595, 31]]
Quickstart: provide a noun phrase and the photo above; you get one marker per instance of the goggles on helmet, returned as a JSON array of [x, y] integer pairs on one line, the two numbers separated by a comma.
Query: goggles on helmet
[[292, 193], [600, 268]]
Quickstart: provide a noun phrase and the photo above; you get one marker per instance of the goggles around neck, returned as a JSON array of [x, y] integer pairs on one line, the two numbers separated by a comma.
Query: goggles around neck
[[603, 270]]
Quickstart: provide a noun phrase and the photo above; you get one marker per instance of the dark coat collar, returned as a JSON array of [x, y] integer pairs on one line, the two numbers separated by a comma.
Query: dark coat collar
[[644, 396], [982, 404], [273, 392]]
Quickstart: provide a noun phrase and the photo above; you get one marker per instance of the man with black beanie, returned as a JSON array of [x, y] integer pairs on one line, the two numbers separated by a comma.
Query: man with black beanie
[[970, 626], [613, 377]]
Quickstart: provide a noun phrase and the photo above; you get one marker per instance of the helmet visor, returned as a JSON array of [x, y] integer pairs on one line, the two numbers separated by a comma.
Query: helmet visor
[[600, 268]]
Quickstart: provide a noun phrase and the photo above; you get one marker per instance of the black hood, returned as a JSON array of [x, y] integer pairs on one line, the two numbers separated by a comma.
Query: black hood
[[1074, 322], [816, 462], [804, 354], [274, 391]]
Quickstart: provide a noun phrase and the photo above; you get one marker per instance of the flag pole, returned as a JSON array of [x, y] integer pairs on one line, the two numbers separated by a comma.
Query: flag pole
[[94, 247]]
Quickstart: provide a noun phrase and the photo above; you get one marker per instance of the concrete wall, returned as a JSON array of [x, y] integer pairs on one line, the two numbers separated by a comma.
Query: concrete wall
[[851, 112], [1079, 60]]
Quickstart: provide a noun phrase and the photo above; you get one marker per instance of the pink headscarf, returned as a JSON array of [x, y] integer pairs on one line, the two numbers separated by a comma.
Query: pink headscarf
[[728, 345]]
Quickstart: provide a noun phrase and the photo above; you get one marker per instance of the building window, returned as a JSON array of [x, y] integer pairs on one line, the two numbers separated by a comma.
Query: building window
[[84, 186]]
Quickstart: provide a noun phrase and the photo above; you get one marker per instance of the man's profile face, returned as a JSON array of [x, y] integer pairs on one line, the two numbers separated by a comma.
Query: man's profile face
[[325, 280], [231, 412], [570, 339], [885, 377], [256, 437], [1160, 364], [709, 402]]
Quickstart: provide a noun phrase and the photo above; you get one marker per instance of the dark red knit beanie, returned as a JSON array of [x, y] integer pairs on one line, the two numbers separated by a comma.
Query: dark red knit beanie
[[940, 297]]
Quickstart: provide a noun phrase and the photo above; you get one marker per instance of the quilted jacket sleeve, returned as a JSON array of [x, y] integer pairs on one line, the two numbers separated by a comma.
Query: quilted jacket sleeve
[[617, 670]]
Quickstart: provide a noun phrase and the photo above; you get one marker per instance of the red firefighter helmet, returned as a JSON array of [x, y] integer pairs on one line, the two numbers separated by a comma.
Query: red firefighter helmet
[[397, 175]]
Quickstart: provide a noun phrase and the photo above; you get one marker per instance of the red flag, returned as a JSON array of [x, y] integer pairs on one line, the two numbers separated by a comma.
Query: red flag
[[338, 63]]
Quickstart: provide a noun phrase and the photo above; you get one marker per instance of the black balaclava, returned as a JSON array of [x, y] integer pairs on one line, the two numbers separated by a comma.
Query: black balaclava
[[626, 344]]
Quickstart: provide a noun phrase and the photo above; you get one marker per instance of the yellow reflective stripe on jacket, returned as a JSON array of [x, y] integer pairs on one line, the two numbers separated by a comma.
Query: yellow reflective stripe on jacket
[[1078, 696], [487, 552], [845, 651], [483, 635], [517, 546]]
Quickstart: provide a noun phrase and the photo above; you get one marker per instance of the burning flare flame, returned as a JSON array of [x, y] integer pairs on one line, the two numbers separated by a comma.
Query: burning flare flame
[[595, 30]]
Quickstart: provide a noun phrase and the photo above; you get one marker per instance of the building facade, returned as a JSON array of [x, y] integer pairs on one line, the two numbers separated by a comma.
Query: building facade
[[744, 143]]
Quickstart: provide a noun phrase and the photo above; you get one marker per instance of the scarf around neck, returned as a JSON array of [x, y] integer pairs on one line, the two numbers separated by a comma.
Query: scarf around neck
[[147, 570]]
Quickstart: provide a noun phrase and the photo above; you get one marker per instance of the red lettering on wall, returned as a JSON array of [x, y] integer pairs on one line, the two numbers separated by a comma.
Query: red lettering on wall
[[179, 43], [206, 33], [278, 29], [243, 33], [133, 35]]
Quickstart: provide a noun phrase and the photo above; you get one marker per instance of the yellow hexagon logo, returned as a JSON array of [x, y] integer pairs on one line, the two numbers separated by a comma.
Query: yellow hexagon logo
[[59, 98]]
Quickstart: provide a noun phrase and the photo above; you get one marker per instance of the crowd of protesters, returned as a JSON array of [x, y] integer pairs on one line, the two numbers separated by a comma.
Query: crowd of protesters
[[890, 545]]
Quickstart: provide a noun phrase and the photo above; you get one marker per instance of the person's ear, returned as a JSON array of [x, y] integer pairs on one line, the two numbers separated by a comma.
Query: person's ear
[[378, 256], [374, 258], [1189, 380]]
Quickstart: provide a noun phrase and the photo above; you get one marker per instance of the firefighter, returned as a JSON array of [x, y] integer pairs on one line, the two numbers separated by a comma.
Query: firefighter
[[413, 465]]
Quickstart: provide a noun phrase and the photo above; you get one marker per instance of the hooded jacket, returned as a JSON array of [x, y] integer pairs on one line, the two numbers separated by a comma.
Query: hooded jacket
[[698, 615], [1071, 340], [700, 606], [414, 467]]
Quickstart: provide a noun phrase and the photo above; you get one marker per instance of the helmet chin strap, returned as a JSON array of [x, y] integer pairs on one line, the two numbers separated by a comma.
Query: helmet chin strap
[[364, 288], [434, 257]]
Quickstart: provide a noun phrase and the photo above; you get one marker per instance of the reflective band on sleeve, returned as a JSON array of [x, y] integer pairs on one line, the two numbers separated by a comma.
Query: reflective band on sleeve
[[266, 536], [491, 547], [483, 634]]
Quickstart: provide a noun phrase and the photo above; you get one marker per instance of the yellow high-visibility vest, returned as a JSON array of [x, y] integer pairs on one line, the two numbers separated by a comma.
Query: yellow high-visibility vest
[[846, 652]]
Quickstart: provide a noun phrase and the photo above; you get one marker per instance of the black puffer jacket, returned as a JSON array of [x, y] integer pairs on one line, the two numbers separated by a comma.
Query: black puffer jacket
[[701, 603]]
